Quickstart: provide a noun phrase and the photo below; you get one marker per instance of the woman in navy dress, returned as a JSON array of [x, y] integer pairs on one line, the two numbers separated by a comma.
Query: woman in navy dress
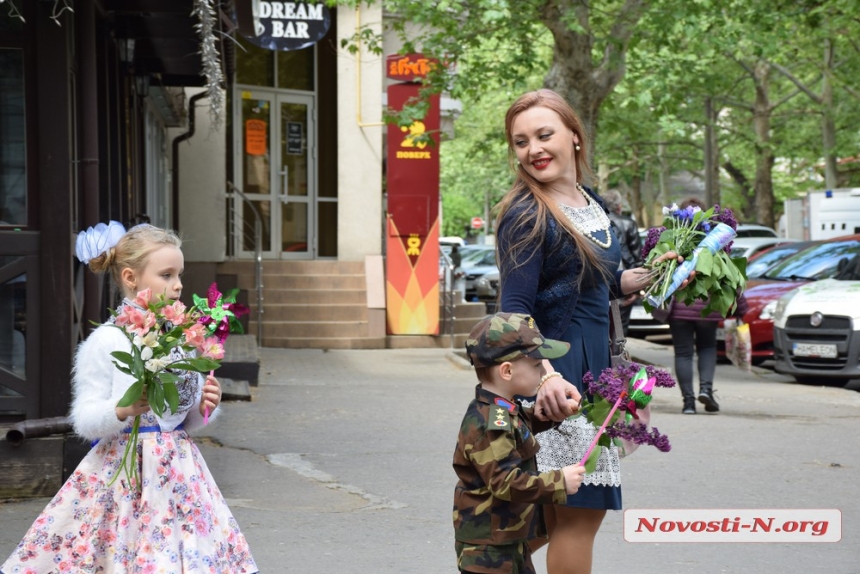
[[559, 262]]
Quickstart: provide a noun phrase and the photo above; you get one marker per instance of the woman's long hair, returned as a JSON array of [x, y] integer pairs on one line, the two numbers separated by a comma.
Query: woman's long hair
[[525, 186]]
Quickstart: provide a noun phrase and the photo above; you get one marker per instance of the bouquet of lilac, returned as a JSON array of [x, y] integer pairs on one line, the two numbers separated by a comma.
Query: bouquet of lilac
[[704, 240], [614, 402]]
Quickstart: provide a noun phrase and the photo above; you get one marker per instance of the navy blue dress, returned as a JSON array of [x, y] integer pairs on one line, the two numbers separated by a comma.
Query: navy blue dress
[[586, 328]]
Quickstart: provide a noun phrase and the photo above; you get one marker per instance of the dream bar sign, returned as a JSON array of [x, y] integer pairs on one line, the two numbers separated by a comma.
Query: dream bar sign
[[289, 25]]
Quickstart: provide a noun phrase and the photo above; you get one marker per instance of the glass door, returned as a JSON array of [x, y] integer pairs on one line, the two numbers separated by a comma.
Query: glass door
[[296, 176], [276, 145]]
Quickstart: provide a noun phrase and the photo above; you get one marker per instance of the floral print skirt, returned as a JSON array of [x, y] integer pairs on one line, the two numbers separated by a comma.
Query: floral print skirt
[[178, 522]]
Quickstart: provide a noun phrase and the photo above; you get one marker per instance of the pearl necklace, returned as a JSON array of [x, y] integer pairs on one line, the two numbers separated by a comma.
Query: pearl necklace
[[588, 219]]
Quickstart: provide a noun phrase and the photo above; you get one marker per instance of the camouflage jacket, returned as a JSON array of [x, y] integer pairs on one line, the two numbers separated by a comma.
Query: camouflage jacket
[[499, 485]]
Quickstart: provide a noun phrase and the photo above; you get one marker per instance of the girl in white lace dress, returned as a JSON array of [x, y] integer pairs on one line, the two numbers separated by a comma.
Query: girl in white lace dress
[[177, 521]]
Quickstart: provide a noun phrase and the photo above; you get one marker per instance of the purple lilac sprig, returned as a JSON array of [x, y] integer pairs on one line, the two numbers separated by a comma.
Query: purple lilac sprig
[[613, 380], [603, 393], [652, 240], [724, 215], [639, 434]]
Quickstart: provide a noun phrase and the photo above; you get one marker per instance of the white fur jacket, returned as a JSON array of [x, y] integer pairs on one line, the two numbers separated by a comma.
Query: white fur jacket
[[97, 386]]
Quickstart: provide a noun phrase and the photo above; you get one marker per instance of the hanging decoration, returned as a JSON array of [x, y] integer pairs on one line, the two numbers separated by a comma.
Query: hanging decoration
[[205, 12]]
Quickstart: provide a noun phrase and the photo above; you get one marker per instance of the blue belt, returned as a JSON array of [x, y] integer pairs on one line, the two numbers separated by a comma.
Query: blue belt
[[153, 428]]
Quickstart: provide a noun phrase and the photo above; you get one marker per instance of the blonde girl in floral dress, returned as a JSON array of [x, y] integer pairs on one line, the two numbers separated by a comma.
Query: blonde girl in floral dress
[[175, 520]]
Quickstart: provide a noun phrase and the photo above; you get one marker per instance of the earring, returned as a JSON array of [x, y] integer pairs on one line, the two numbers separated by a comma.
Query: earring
[[577, 147]]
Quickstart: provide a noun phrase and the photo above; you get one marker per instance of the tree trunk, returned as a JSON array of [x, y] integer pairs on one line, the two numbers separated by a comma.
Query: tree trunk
[[746, 190], [764, 151], [712, 155], [828, 128], [635, 196], [574, 73]]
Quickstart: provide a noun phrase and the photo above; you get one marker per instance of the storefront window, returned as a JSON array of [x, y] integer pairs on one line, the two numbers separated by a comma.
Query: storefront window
[[296, 69], [256, 66], [13, 166], [13, 321]]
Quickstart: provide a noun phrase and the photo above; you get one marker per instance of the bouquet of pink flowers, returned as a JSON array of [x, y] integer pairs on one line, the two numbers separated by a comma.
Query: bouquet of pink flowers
[[157, 329], [614, 404]]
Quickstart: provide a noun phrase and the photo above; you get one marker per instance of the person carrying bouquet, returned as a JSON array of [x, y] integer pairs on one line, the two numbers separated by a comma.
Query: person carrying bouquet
[[692, 335], [559, 263], [174, 519]]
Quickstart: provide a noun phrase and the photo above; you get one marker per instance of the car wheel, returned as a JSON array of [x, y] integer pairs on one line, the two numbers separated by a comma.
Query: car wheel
[[821, 381]]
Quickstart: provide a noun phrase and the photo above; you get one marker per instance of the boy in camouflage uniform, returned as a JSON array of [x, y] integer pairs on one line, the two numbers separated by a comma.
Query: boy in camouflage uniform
[[496, 499]]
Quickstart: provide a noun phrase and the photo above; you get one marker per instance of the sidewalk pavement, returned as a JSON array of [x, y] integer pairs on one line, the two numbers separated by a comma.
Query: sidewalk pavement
[[341, 463]]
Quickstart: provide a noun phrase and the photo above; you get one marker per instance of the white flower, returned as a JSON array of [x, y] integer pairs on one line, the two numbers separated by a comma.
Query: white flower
[[696, 209], [150, 339], [670, 209], [146, 353], [155, 365]]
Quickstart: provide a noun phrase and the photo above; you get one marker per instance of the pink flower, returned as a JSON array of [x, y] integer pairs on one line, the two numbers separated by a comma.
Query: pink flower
[[144, 298], [195, 335], [211, 348], [136, 321], [175, 313]]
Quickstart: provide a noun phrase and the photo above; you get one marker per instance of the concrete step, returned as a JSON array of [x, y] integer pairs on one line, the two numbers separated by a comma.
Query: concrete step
[[307, 296], [275, 267], [312, 329], [241, 359], [314, 312], [311, 282], [325, 342]]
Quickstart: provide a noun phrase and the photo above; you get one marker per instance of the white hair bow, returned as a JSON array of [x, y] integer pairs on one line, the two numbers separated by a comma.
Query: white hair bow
[[96, 240]]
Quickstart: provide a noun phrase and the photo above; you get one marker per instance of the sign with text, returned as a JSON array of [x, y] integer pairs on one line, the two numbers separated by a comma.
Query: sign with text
[[288, 25], [409, 67], [412, 238]]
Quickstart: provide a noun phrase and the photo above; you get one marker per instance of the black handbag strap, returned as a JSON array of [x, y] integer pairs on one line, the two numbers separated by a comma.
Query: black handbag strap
[[617, 341]]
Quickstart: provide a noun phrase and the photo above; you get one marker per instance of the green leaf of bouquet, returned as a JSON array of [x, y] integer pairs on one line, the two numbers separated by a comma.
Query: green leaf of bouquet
[[155, 394], [591, 464], [598, 413], [122, 369], [741, 264], [705, 263], [171, 394], [124, 357], [198, 364], [133, 394], [604, 440]]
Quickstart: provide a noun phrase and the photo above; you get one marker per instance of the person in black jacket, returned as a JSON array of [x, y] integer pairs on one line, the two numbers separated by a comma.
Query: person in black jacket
[[631, 246]]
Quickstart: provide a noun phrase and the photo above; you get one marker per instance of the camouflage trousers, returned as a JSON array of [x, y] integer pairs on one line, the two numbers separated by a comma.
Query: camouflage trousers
[[494, 559]]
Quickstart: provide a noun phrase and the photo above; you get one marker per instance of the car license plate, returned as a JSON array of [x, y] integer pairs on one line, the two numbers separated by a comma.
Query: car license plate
[[811, 350], [721, 334]]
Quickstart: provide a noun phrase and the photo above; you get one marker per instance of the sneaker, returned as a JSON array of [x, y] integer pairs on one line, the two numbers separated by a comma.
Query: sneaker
[[689, 406], [706, 397]]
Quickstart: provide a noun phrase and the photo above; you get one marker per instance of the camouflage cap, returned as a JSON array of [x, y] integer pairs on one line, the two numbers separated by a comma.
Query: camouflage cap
[[508, 337]]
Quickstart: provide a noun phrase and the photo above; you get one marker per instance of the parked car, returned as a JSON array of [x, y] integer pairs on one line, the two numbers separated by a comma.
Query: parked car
[[475, 267], [758, 264], [487, 289], [750, 246], [817, 330], [642, 323], [819, 261], [754, 230]]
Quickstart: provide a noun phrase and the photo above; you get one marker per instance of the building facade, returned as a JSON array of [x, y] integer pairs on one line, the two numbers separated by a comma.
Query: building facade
[[107, 116]]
